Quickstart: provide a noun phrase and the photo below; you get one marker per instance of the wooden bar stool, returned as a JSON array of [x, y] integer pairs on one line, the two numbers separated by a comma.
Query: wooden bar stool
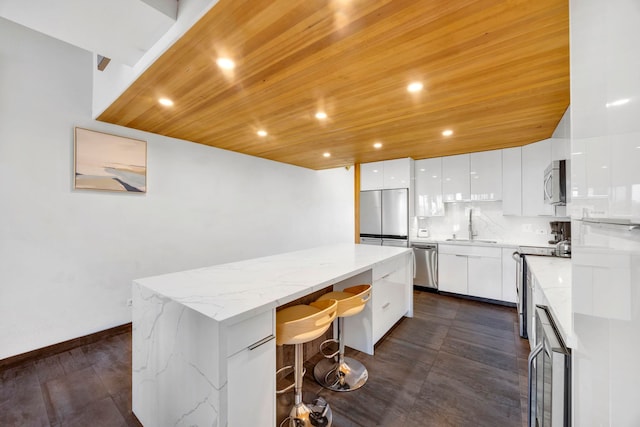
[[336, 372], [297, 325]]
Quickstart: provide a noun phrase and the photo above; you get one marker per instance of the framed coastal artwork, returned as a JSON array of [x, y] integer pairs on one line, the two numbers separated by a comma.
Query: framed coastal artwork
[[109, 162]]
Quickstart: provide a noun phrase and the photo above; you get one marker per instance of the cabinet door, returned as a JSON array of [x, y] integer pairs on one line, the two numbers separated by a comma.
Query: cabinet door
[[397, 173], [509, 280], [485, 277], [535, 159], [428, 187], [452, 273], [512, 181], [245, 370], [560, 148], [485, 175], [371, 176], [455, 184], [389, 299]]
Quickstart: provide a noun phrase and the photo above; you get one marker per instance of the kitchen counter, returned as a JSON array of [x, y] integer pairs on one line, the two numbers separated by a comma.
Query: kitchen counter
[[553, 278], [238, 290], [476, 242], [211, 330]]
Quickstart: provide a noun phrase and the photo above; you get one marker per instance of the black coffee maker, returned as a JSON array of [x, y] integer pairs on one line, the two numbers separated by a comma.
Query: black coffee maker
[[561, 231]]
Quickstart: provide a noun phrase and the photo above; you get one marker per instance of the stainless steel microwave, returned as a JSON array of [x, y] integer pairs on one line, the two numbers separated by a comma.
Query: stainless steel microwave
[[555, 183]]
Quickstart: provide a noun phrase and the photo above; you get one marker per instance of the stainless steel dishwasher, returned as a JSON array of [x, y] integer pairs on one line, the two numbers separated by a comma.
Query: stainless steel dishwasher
[[426, 265]]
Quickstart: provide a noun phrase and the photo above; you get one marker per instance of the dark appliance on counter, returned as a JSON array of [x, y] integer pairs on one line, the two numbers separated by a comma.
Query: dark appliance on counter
[[561, 231], [549, 375], [524, 302], [555, 183], [384, 217], [425, 274]]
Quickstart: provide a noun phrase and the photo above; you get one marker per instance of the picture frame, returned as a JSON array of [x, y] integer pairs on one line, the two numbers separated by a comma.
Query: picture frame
[[106, 162]]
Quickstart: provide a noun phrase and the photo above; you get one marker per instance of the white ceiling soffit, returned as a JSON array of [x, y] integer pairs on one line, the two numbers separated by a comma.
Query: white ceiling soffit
[[119, 29]]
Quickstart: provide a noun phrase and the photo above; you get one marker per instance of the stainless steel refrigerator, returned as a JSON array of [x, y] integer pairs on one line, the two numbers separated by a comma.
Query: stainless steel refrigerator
[[384, 217]]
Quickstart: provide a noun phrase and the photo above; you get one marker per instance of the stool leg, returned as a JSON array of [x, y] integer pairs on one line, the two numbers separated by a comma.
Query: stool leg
[[316, 414], [345, 374], [299, 373]]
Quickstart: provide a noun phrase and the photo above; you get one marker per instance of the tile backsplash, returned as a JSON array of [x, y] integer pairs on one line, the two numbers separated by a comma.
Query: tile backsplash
[[488, 223]]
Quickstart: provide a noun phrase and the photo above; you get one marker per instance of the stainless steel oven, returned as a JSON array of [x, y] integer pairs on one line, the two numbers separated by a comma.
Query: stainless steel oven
[[549, 376], [524, 302]]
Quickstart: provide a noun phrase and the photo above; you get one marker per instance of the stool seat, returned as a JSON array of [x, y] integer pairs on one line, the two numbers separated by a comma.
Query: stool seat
[[303, 323], [351, 301]]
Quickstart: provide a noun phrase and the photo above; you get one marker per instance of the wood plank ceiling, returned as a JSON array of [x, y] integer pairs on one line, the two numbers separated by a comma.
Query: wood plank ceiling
[[496, 72]]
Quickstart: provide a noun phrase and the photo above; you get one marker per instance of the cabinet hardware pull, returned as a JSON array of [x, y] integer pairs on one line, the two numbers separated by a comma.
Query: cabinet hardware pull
[[384, 277], [262, 341], [386, 305], [461, 256]]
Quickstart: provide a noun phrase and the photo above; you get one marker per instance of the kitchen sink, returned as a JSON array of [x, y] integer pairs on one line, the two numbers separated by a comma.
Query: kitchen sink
[[471, 241]]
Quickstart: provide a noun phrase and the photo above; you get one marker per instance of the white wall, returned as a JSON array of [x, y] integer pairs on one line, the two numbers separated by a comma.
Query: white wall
[[67, 257], [489, 223]]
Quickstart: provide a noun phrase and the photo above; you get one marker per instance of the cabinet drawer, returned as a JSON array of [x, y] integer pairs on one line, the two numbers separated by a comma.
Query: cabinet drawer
[[248, 332], [389, 305], [387, 267], [471, 250]]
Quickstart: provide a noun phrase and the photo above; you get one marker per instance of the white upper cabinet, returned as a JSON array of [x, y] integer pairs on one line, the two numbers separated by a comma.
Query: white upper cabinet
[[512, 181], [386, 174], [371, 176], [428, 187], [455, 184], [397, 173], [535, 159], [485, 173]]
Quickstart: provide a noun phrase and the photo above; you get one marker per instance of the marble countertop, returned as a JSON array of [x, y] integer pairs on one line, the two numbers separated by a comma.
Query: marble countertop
[[242, 289], [477, 242], [553, 276]]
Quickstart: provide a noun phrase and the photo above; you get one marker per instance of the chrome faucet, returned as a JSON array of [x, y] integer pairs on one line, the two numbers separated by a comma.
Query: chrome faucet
[[471, 233]]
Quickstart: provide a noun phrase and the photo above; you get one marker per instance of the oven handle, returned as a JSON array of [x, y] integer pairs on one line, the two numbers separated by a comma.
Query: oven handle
[[516, 257], [532, 357]]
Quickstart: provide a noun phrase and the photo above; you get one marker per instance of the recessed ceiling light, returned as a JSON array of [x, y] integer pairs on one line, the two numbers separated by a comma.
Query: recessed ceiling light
[[375, 171], [327, 154], [321, 115], [262, 132], [226, 63], [422, 169], [166, 102], [577, 153], [415, 87], [377, 145], [447, 132]]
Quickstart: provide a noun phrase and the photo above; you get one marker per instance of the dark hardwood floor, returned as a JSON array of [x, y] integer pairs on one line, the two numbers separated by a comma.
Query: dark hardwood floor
[[455, 363]]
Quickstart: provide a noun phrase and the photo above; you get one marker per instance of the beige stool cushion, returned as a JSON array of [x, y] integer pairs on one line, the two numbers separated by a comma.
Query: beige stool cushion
[[303, 323], [351, 301]]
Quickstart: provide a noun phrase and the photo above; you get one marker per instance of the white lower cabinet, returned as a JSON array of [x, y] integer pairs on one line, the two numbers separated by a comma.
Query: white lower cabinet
[[389, 297], [250, 373], [470, 270], [452, 272], [251, 350], [509, 272], [485, 275]]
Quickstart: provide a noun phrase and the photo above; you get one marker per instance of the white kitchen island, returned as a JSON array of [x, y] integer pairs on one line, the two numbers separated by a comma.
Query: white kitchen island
[[203, 340]]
